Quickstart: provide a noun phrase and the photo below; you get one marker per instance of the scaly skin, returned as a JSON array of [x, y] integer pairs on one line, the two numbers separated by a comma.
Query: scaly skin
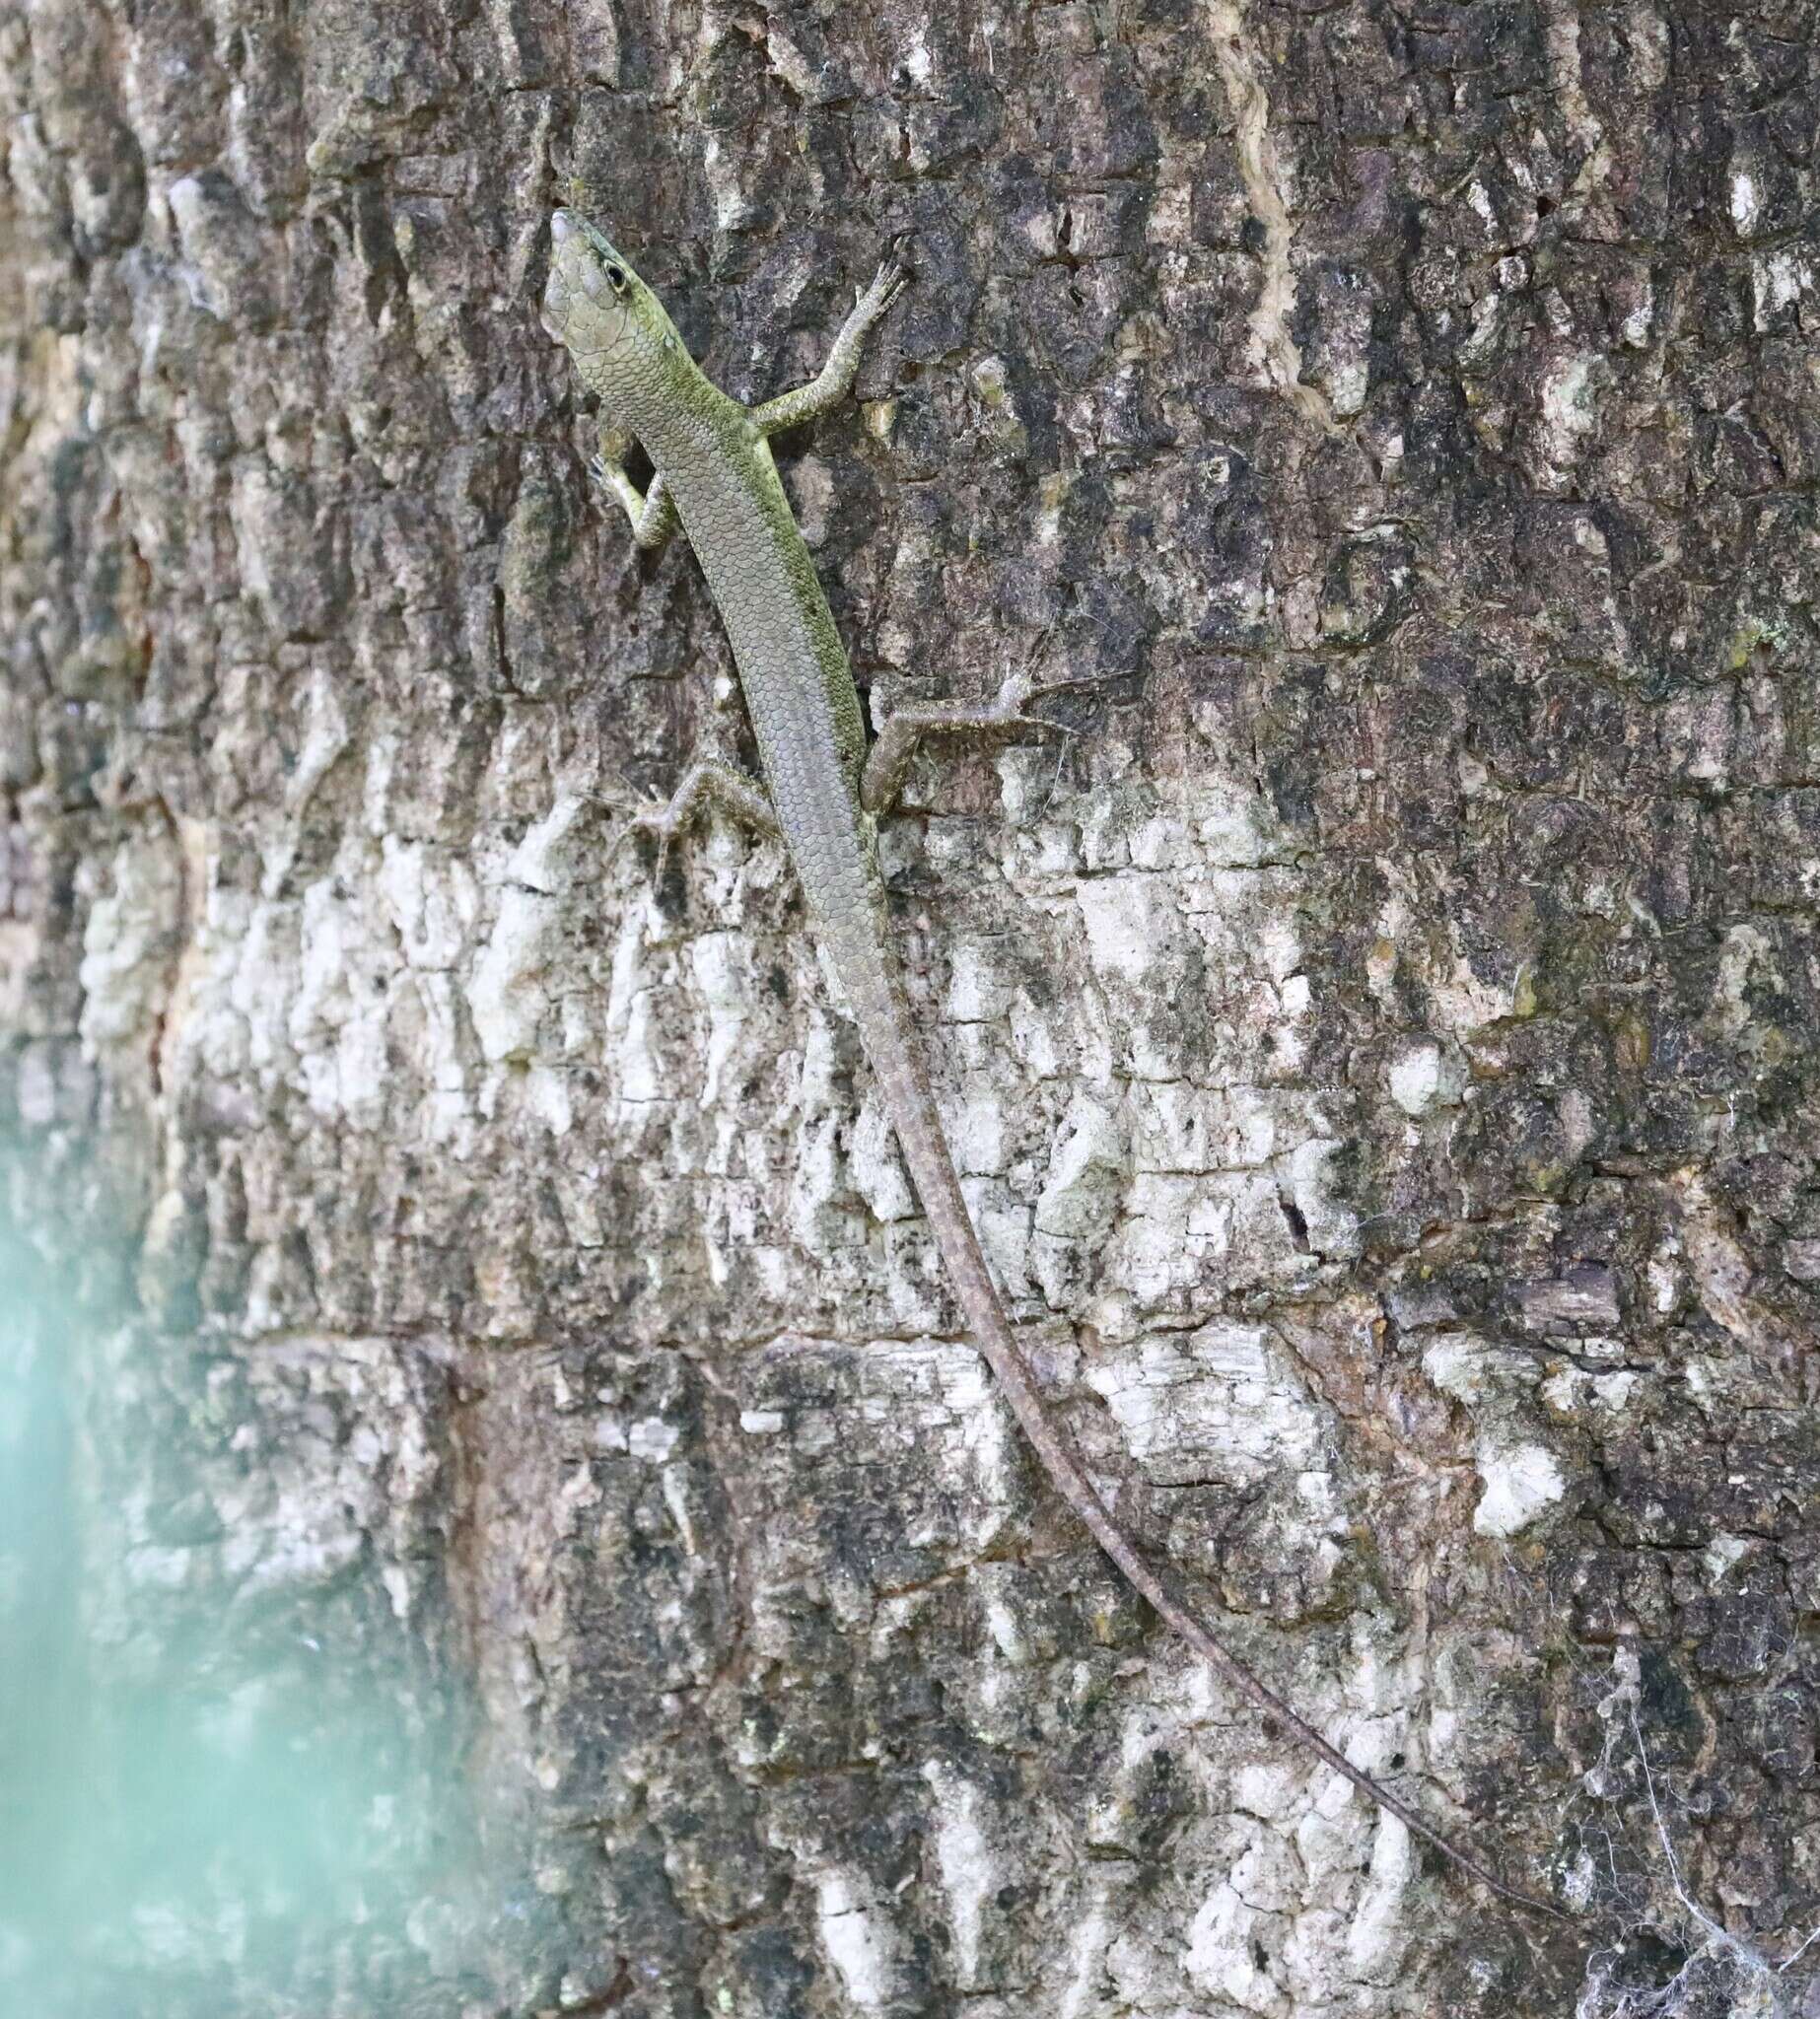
[[715, 471]]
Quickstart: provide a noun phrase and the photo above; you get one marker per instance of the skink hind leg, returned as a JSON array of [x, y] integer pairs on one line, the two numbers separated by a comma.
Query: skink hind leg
[[653, 513], [897, 742], [832, 384], [708, 780]]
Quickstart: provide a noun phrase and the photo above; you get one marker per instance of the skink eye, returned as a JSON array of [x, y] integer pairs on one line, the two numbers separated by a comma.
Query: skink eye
[[617, 275]]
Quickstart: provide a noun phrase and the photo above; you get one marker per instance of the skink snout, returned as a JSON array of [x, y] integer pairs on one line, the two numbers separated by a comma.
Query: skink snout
[[556, 289], [570, 245]]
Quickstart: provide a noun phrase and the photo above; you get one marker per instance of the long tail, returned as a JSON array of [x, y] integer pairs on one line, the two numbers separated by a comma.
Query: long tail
[[891, 1045]]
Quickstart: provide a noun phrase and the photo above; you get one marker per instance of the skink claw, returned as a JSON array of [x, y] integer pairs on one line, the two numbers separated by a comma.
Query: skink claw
[[892, 277], [657, 817]]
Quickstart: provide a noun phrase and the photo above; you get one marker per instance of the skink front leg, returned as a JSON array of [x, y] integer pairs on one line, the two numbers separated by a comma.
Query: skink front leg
[[832, 384], [708, 780], [653, 513]]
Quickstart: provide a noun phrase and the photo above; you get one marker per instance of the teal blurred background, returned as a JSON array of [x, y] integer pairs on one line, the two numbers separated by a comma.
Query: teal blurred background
[[230, 1807]]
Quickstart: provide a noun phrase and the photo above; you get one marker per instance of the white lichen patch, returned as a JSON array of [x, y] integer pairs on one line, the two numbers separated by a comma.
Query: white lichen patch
[[1464, 1001], [970, 1872], [1330, 1226], [508, 992], [721, 173], [1521, 1476], [987, 1442], [720, 965], [1128, 920], [1083, 1969], [129, 949], [1087, 1170], [264, 532], [1199, 966], [811, 485], [888, 1399], [1722, 1554], [651, 1439], [1377, 1936], [1779, 280], [432, 899], [874, 1166], [1415, 1077], [628, 1038], [1569, 408], [1220, 1402], [1566, 73], [351, 1474], [1574, 1392], [1521, 1481], [1187, 1130], [860, 1939], [338, 1012], [1243, 66], [1231, 1943], [1176, 1233], [1217, 826]]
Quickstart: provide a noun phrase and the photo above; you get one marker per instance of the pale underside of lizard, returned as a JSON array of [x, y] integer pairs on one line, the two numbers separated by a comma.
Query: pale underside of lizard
[[823, 793]]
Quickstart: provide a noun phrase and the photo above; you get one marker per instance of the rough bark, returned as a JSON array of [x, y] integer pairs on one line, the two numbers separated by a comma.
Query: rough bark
[[1380, 1043]]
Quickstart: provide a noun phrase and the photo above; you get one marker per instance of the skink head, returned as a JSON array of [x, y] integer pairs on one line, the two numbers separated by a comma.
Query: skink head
[[608, 320]]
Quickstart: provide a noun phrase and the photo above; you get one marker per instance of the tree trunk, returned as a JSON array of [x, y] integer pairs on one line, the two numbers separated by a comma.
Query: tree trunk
[[508, 1523]]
